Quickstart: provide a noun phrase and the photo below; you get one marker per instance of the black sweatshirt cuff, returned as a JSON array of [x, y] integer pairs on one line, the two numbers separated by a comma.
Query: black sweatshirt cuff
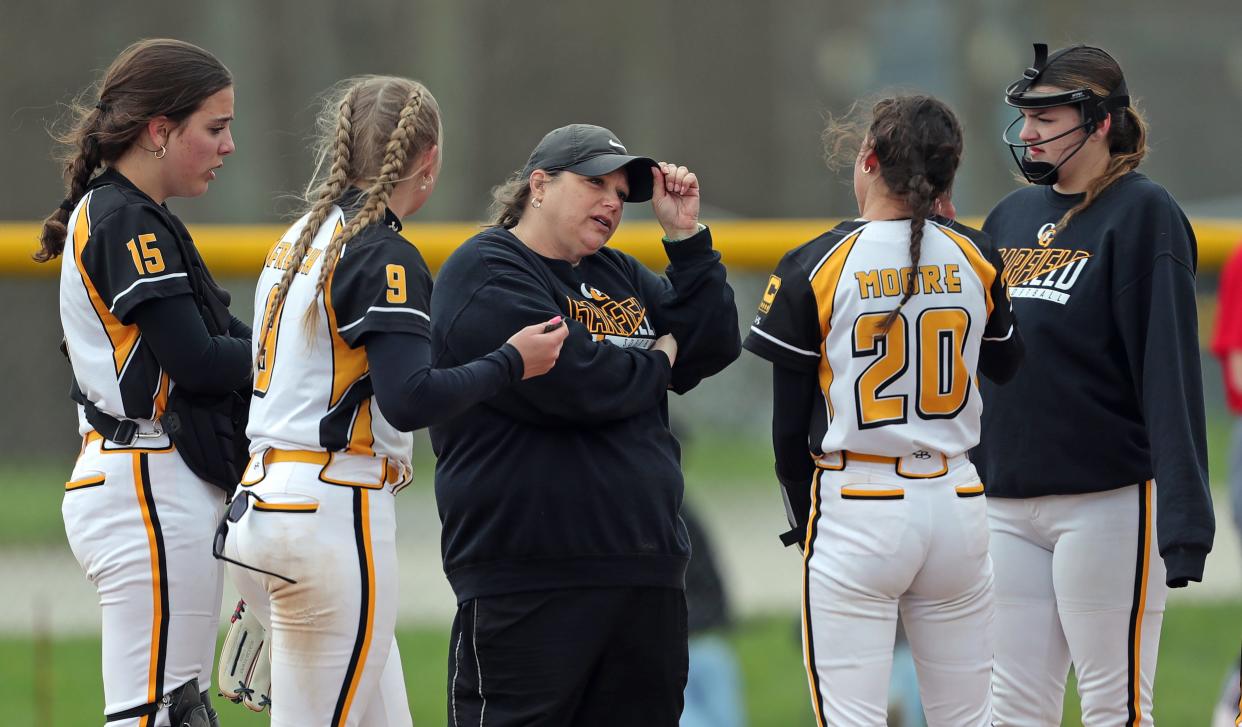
[[1184, 564], [517, 369], [684, 251]]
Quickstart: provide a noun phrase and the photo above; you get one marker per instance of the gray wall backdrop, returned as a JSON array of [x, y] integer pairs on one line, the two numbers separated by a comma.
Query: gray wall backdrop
[[736, 90]]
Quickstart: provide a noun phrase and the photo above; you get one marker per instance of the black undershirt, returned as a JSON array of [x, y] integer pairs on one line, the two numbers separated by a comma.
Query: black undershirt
[[192, 357], [412, 395]]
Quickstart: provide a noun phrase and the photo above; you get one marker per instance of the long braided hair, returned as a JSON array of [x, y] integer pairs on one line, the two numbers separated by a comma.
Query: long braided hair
[[918, 142], [371, 128], [150, 78]]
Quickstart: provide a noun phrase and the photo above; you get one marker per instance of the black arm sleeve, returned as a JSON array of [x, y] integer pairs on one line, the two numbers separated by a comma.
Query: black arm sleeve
[[793, 396], [696, 305], [1002, 350], [239, 328], [412, 395], [1156, 315], [206, 364]]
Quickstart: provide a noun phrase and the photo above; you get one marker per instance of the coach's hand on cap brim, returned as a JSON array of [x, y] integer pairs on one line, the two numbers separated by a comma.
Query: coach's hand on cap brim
[[675, 200]]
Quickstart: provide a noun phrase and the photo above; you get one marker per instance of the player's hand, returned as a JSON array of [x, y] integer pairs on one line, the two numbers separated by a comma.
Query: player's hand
[[668, 345], [539, 346], [675, 200]]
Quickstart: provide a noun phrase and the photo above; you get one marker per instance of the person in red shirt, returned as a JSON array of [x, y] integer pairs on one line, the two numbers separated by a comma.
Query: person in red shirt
[[1227, 346]]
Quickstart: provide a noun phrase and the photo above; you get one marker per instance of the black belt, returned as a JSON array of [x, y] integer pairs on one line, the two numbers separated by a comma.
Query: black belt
[[121, 431]]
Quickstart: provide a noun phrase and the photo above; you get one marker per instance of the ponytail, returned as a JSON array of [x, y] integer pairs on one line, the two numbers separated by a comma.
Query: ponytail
[[77, 173], [921, 197], [918, 142], [1127, 146]]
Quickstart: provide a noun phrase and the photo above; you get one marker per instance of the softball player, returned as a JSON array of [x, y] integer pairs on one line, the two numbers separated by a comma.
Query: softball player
[[138, 520], [875, 331], [1081, 453], [343, 374]]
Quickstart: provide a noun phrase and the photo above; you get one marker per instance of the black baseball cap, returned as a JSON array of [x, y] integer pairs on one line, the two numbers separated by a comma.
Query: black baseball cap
[[591, 150]]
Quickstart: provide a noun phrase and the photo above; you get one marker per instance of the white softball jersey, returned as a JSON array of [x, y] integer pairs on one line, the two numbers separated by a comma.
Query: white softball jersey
[[913, 388], [312, 389]]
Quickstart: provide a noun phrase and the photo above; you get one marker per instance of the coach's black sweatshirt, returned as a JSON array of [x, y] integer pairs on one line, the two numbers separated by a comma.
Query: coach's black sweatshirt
[[573, 478], [1111, 392]]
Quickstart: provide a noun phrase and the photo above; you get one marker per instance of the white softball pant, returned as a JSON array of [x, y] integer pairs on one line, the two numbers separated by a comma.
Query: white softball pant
[[879, 543], [334, 651], [140, 524], [1078, 578]]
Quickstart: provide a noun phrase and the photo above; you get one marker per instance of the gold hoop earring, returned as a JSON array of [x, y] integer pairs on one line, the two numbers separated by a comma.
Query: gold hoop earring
[[866, 169], [160, 154]]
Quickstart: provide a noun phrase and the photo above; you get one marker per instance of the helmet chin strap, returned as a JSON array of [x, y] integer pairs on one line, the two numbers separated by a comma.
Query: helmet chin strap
[[1044, 173]]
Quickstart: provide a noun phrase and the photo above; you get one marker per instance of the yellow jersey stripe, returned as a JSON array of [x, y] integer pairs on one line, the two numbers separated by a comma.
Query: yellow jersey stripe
[[361, 438], [348, 364], [983, 269], [123, 338], [824, 281]]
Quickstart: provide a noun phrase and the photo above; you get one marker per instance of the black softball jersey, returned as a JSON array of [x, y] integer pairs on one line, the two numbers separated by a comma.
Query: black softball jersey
[[1111, 392], [128, 311], [573, 479]]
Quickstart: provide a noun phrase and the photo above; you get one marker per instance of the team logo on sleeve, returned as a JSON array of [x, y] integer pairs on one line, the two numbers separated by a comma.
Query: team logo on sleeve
[[769, 294]]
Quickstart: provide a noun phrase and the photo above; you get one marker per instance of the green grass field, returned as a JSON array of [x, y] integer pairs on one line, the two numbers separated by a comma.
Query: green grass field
[[712, 462], [59, 685]]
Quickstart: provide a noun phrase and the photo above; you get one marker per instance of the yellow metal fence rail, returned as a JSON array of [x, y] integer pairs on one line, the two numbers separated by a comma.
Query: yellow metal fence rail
[[239, 250]]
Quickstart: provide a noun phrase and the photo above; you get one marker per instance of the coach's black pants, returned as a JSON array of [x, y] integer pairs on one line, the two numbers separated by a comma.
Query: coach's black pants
[[590, 656]]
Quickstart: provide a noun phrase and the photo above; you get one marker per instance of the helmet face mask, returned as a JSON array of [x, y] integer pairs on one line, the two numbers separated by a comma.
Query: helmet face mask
[[1091, 107], [1043, 172]]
